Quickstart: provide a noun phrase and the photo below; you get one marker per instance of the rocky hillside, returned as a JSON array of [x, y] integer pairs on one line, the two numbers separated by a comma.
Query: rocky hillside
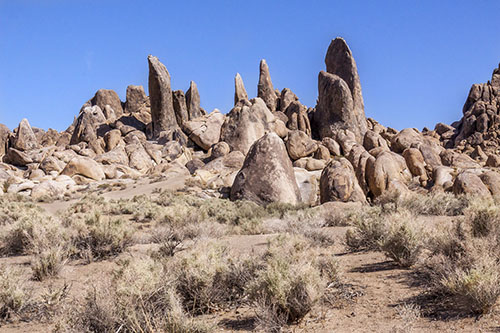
[[266, 149]]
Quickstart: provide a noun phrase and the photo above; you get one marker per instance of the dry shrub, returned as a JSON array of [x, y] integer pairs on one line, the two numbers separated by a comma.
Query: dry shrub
[[209, 278], [484, 217], [403, 241], [14, 296], [466, 267], [439, 203], [293, 279], [140, 298], [368, 230], [100, 237], [32, 232], [49, 262]]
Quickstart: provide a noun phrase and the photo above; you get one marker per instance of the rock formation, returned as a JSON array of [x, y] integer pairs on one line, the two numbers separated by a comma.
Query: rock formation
[[240, 92], [271, 148], [193, 101], [160, 94], [340, 102], [267, 174], [265, 88]]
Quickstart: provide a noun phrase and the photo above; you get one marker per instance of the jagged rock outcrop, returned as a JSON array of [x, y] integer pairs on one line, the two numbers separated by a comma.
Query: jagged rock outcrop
[[299, 145], [4, 137], [286, 98], [240, 92], [297, 117], [87, 124], [267, 174], [205, 130], [340, 102], [247, 122], [25, 138], [338, 182], [480, 124], [265, 88], [137, 100], [180, 108], [160, 95], [105, 97], [193, 101]]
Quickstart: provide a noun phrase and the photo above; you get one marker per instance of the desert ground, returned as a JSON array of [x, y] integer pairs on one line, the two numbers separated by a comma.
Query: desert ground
[[362, 283]]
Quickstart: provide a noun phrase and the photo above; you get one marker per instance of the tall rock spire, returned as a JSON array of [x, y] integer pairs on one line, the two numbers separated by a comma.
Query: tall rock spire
[[160, 94], [239, 89], [265, 88], [193, 101], [339, 61], [340, 103]]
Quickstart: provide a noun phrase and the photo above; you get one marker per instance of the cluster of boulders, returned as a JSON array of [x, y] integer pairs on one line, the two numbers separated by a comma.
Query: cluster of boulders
[[271, 148]]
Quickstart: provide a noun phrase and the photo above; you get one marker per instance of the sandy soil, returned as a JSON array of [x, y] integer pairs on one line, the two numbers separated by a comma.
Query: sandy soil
[[370, 299]]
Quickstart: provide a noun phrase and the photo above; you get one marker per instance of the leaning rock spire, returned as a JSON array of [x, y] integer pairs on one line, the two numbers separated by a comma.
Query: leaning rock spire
[[239, 89], [265, 88], [160, 94]]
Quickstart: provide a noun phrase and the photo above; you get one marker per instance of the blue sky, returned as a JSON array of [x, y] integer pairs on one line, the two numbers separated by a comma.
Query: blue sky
[[416, 59]]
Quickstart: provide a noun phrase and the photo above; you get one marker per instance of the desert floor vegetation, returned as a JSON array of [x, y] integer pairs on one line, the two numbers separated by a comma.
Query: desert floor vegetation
[[181, 262]]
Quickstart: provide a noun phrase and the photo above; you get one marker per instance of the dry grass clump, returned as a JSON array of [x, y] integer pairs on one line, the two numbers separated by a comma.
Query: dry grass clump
[[30, 232], [484, 217], [439, 203], [14, 296], [101, 236], [294, 277], [48, 263], [369, 228], [209, 278], [465, 262], [403, 241], [140, 298]]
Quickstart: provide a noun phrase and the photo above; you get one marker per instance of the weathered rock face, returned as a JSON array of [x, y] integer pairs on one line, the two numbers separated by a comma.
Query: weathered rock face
[[469, 183], [246, 123], [334, 111], [388, 172], [267, 174], [339, 183], [286, 98], [340, 104], [297, 118], [17, 157], [25, 138], [480, 124], [239, 89], [416, 164], [193, 101], [265, 88], [160, 94], [300, 145], [84, 166], [4, 136], [105, 97], [492, 181], [87, 124], [205, 130], [137, 100], [180, 108]]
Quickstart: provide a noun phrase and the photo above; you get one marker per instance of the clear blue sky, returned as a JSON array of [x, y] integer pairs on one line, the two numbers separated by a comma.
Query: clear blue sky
[[416, 59]]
